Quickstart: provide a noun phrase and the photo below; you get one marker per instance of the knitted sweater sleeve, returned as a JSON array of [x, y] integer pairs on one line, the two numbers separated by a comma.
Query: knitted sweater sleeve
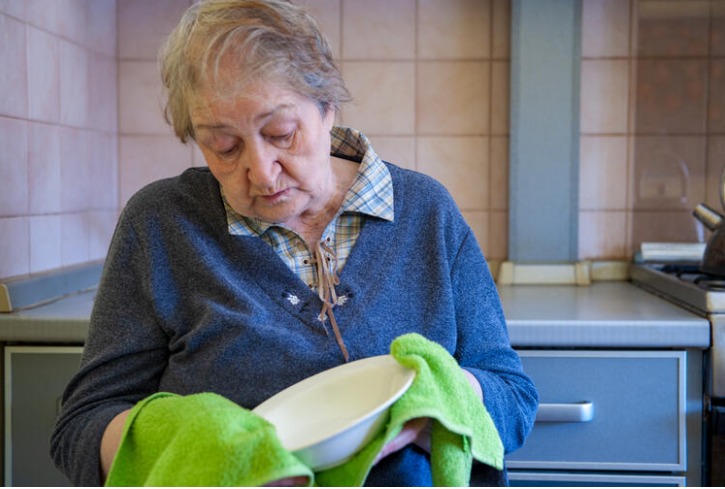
[[484, 349]]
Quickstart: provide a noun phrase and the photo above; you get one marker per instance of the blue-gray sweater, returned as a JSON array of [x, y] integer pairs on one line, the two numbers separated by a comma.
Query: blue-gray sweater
[[185, 307]]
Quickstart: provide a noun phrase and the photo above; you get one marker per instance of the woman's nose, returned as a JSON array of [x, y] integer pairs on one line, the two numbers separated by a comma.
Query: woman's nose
[[261, 166]]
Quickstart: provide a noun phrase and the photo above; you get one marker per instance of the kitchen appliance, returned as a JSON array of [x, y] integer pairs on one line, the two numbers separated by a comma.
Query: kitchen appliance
[[687, 285], [700, 287]]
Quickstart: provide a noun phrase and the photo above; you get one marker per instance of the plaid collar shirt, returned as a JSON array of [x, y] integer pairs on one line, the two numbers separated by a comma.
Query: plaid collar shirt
[[371, 194]]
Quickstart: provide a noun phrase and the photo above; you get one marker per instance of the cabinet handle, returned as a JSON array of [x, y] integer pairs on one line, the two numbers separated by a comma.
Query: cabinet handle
[[578, 412]]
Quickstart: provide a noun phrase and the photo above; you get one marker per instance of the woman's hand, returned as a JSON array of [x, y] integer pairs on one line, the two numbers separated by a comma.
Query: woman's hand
[[474, 383], [300, 480], [418, 430], [111, 441], [414, 431]]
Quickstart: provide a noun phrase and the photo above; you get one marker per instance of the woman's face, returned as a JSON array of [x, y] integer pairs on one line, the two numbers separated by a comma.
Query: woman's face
[[270, 151]]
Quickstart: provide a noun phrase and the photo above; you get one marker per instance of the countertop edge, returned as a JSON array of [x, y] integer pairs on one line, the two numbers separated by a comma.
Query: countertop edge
[[580, 317]]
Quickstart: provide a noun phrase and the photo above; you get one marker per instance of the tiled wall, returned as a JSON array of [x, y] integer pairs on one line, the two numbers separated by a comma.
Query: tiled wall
[[604, 143], [58, 123], [652, 121], [148, 150], [429, 80], [443, 108], [81, 126]]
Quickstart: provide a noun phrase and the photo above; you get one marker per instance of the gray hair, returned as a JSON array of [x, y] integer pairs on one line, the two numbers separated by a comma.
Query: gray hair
[[265, 40]]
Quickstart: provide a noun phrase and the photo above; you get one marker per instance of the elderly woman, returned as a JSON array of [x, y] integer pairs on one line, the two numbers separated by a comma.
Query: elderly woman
[[227, 279]]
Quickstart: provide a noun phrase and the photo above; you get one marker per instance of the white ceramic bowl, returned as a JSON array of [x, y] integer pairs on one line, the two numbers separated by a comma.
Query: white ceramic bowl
[[327, 418]]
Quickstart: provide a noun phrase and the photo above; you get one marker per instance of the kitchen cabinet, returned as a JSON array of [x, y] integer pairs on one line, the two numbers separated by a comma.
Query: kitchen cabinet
[[35, 377], [613, 417]]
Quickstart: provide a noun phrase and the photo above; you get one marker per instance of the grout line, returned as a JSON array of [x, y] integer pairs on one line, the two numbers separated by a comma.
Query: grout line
[[416, 86]]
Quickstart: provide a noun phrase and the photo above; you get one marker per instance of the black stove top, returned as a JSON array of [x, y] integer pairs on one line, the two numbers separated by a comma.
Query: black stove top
[[683, 284], [692, 274]]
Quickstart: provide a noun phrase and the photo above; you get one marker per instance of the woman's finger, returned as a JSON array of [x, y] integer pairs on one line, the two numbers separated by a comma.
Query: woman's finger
[[412, 432]]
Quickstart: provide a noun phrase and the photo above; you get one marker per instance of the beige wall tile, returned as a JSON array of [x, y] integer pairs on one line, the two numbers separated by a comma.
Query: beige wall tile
[[679, 28], [716, 96], [671, 96], [14, 247], [103, 96], [43, 75], [606, 24], [74, 243], [101, 225], [14, 72], [454, 29], [461, 164], [72, 20], [715, 169], [453, 97], [44, 14], [378, 29], [602, 235], [143, 159], [14, 8], [399, 150], [717, 24], [43, 168], [501, 29], [75, 171], [140, 99], [604, 96], [143, 25], [45, 238], [13, 167], [74, 93], [104, 172], [328, 15], [383, 97], [603, 173], [500, 97], [498, 236], [102, 35], [664, 226], [669, 172], [499, 173]]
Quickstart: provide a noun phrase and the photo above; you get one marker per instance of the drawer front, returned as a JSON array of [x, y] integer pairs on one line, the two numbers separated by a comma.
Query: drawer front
[[606, 410], [573, 479]]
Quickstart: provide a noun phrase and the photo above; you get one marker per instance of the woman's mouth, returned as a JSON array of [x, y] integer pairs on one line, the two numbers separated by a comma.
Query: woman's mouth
[[275, 197]]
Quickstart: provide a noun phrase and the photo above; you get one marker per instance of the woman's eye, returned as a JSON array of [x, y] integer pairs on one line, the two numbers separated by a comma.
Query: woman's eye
[[282, 138], [228, 152]]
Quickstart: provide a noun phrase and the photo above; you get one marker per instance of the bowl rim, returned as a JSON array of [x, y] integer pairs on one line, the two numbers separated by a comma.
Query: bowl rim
[[274, 401]]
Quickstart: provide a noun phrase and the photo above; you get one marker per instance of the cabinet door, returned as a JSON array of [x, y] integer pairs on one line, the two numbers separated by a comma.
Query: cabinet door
[[35, 378], [607, 410]]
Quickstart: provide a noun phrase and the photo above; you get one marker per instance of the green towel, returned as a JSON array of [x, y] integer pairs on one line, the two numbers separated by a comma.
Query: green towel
[[199, 440], [462, 427], [207, 440]]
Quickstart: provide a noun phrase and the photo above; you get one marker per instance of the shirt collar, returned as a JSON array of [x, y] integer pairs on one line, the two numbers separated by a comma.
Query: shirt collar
[[371, 192]]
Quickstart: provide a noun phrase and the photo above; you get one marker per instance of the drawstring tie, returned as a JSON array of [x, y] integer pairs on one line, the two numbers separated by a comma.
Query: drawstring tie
[[326, 262]]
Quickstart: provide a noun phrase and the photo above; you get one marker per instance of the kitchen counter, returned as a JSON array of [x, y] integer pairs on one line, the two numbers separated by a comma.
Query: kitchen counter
[[62, 321], [601, 315]]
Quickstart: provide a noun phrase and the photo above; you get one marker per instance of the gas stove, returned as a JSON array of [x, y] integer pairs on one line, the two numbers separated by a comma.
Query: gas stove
[[683, 284], [703, 294]]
